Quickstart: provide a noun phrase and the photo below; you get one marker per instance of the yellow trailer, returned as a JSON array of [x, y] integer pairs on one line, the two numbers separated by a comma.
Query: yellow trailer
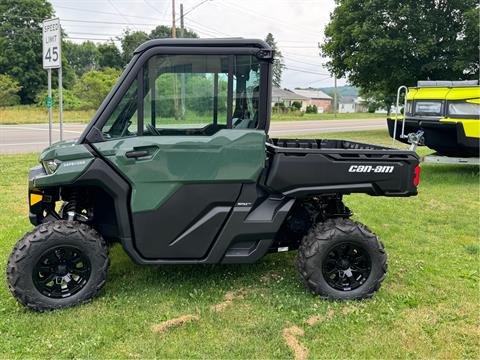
[[448, 113]]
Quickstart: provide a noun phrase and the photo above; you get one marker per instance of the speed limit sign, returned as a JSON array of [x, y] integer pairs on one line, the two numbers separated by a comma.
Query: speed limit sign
[[52, 44]]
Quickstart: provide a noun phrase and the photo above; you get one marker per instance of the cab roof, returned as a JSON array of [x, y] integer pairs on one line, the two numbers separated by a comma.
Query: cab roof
[[217, 42]]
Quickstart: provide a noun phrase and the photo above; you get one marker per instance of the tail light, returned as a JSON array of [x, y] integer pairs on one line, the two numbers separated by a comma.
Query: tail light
[[416, 180]]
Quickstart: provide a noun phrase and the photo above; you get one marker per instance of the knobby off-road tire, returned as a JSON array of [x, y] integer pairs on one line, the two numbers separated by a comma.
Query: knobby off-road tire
[[322, 260], [75, 250]]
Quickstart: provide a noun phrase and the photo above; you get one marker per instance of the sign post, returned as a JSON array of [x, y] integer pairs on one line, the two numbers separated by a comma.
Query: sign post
[[52, 59]]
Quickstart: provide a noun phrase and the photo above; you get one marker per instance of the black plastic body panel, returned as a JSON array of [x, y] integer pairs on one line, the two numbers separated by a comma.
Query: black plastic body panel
[[100, 174], [185, 226], [308, 167]]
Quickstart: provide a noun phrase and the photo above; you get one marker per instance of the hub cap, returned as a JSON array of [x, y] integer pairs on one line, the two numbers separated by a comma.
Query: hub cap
[[61, 272], [346, 267]]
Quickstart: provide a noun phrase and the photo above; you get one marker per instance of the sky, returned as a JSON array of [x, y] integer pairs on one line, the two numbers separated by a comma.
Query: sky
[[297, 26]]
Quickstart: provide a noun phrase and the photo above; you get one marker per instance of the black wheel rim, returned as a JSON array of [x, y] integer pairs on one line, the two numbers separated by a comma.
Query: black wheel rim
[[61, 272], [346, 267]]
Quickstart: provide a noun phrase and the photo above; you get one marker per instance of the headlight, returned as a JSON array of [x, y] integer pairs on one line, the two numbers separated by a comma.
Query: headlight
[[51, 166]]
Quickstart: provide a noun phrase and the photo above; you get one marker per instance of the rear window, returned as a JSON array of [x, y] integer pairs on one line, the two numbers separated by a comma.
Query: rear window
[[433, 108]]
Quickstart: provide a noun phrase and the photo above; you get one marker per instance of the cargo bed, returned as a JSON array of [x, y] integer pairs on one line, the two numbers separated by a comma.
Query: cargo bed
[[304, 167]]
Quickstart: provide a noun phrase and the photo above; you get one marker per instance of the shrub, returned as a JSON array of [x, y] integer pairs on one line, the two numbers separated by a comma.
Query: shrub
[[93, 86], [279, 108], [70, 100], [311, 109], [296, 105], [9, 89]]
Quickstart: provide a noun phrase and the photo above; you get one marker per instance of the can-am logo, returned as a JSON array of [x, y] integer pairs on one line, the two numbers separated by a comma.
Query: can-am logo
[[369, 169]]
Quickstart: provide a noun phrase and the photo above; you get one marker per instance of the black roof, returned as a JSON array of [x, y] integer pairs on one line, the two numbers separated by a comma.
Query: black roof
[[217, 42]]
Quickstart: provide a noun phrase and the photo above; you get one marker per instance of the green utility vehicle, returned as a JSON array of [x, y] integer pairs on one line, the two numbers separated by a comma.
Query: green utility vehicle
[[177, 167]]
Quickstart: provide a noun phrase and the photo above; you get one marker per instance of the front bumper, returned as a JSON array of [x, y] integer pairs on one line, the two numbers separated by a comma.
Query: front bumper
[[41, 202], [438, 135]]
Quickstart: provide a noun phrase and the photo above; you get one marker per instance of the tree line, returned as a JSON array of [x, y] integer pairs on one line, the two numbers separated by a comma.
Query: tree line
[[89, 70]]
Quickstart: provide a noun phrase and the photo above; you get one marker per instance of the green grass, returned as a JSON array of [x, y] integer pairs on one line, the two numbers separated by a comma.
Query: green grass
[[428, 306], [30, 114], [325, 116]]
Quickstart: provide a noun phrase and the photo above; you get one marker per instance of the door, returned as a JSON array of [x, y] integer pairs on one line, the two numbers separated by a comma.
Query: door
[[184, 135]]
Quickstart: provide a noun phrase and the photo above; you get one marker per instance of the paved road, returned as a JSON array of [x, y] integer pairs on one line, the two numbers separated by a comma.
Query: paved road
[[30, 138]]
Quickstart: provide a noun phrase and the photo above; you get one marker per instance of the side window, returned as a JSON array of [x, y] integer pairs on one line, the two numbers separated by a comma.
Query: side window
[[189, 94], [185, 92], [246, 92], [123, 121]]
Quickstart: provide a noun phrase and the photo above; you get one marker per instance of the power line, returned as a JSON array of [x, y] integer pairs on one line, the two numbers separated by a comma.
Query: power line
[[90, 33], [154, 8], [211, 30], [305, 71], [276, 21], [195, 7], [91, 39], [107, 22], [301, 62], [102, 12]]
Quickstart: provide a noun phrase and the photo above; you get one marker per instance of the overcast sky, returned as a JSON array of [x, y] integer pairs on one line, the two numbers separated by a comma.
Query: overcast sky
[[297, 26]]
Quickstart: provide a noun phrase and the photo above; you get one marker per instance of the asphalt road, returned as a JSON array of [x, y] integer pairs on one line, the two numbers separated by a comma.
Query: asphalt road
[[31, 138]]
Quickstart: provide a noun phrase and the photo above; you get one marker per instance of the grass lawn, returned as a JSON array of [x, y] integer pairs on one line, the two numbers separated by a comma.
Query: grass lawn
[[27, 114], [428, 306], [289, 117]]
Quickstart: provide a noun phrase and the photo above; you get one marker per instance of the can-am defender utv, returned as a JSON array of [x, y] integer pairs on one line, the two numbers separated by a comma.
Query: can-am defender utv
[[176, 165]]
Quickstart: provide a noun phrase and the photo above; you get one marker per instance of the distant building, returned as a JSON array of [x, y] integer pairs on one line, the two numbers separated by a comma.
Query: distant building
[[318, 98], [351, 104], [287, 97]]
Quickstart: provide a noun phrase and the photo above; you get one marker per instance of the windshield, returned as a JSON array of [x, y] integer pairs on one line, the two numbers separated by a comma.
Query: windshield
[[428, 108]]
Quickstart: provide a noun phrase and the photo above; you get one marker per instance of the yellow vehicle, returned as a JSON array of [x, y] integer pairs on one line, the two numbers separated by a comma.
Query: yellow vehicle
[[448, 113]]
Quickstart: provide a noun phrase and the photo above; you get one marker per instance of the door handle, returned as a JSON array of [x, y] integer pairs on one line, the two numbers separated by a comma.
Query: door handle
[[133, 154]]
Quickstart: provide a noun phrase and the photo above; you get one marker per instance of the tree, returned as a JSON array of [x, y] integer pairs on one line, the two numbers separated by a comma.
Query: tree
[[278, 64], [109, 56], [21, 44], [94, 86], [9, 89], [163, 31], [381, 44], [133, 39], [82, 57], [130, 41]]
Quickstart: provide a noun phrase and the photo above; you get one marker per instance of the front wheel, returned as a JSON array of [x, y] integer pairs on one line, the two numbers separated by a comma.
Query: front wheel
[[58, 264], [341, 259]]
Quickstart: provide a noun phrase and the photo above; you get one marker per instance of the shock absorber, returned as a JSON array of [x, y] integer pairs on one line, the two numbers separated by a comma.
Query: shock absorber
[[71, 205]]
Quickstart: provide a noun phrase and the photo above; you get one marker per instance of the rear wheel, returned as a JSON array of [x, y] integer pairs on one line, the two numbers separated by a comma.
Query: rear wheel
[[58, 264], [341, 259]]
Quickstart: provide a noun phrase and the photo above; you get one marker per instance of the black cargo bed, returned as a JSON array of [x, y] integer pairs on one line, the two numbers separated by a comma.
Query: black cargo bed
[[304, 167], [324, 144]]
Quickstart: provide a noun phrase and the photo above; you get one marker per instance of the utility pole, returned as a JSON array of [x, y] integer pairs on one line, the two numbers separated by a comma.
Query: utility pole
[[174, 28], [182, 25], [335, 97], [182, 76], [174, 35]]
